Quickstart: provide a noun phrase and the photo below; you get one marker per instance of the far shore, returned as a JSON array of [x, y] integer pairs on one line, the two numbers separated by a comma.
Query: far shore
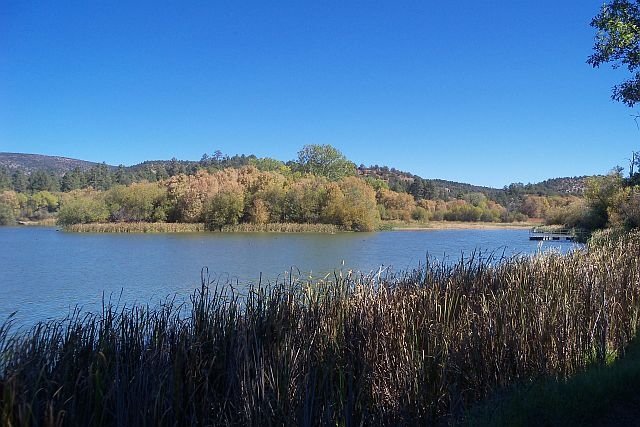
[[460, 225], [161, 227]]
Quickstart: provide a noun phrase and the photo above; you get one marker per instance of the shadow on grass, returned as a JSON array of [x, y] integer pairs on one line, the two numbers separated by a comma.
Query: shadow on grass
[[600, 396]]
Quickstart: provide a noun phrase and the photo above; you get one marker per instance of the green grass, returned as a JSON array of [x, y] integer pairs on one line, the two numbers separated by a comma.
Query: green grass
[[601, 395], [415, 348]]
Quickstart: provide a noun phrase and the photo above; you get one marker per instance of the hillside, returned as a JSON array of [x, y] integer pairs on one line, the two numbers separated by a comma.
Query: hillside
[[414, 184], [397, 180], [29, 163], [573, 186]]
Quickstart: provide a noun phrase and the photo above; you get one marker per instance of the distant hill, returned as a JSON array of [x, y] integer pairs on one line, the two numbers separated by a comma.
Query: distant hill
[[397, 180], [403, 181], [29, 163], [573, 186], [400, 178]]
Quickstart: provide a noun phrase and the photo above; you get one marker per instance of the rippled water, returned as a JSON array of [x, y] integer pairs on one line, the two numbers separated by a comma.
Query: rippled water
[[45, 273]]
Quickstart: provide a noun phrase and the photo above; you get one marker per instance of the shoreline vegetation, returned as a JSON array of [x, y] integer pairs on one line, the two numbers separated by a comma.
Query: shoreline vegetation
[[172, 227], [415, 348], [463, 225], [167, 227], [247, 193]]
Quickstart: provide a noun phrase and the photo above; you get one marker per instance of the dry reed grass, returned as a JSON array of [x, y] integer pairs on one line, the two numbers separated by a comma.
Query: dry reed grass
[[136, 227], [172, 227], [282, 227]]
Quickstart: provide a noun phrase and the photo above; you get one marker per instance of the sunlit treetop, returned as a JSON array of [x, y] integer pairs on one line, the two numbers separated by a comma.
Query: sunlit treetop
[[618, 43]]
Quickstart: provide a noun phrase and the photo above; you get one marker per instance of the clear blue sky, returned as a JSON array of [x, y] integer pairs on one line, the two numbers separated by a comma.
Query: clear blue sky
[[487, 93]]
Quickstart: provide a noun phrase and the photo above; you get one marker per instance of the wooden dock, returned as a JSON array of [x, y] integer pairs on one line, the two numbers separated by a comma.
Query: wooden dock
[[560, 234]]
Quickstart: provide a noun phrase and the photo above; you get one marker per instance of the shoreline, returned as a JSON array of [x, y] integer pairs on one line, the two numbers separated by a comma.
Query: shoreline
[[145, 227], [460, 225]]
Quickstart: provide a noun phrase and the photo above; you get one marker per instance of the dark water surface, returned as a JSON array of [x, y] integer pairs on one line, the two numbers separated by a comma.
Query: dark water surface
[[45, 273]]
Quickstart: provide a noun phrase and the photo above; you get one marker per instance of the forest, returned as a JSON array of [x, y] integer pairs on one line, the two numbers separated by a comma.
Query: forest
[[320, 187]]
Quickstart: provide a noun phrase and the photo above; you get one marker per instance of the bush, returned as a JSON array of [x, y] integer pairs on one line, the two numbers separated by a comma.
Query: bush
[[82, 211], [6, 215], [420, 214], [224, 208]]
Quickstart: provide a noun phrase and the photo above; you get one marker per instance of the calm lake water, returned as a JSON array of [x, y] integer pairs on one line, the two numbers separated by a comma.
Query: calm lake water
[[45, 273]]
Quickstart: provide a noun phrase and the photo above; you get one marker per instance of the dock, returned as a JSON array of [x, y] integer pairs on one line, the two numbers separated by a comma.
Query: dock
[[559, 234]]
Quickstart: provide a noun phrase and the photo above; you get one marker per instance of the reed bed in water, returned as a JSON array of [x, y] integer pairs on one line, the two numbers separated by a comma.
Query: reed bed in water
[[136, 227], [172, 227], [409, 349], [282, 227]]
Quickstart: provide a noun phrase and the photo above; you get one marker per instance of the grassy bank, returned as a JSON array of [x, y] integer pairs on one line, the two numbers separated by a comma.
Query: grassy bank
[[600, 396], [410, 349], [172, 227]]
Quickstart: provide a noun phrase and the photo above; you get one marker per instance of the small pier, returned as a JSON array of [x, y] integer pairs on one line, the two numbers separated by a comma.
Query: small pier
[[557, 234]]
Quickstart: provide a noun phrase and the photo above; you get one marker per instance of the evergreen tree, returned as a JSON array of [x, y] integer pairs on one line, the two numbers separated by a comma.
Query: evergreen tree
[[73, 180], [19, 181], [122, 176], [5, 179], [99, 177]]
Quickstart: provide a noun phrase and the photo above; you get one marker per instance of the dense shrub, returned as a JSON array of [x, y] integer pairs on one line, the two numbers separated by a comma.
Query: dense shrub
[[82, 210], [7, 216]]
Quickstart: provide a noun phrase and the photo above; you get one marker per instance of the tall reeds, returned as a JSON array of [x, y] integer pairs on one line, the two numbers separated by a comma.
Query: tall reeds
[[175, 227], [407, 349], [136, 227]]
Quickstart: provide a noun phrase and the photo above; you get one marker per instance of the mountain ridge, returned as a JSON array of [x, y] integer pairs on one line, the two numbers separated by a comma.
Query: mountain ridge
[[29, 163]]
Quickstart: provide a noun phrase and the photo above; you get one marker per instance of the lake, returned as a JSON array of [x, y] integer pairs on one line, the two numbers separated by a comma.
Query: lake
[[45, 273]]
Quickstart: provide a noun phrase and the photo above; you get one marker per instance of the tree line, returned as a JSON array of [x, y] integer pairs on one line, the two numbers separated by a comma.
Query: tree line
[[321, 186]]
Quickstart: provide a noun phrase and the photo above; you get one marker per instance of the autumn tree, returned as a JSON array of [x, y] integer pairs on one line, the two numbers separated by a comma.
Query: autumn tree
[[269, 199], [395, 205], [600, 193], [624, 210], [535, 206], [356, 208], [305, 200], [187, 195], [10, 206], [259, 212]]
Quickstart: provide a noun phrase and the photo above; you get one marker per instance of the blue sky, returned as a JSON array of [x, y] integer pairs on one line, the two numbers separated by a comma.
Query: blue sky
[[487, 93]]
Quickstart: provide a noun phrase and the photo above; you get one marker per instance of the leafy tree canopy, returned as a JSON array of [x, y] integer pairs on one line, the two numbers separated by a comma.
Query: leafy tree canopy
[[325, 160], [618, 42]]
